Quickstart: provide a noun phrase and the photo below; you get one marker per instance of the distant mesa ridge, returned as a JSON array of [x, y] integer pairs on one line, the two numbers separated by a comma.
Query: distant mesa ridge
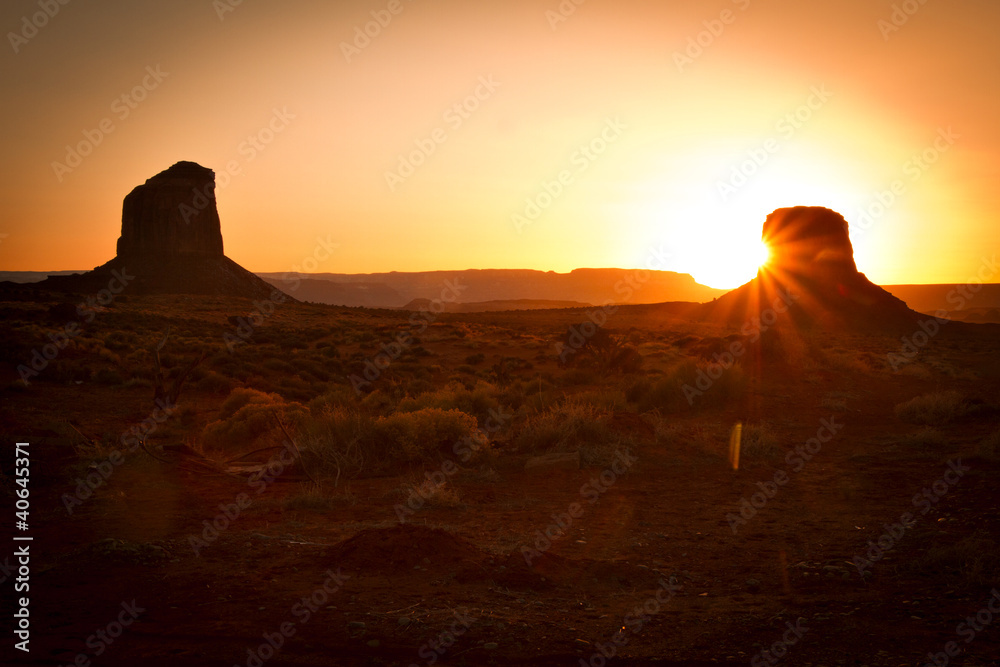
[[500, 289], [171, 242]]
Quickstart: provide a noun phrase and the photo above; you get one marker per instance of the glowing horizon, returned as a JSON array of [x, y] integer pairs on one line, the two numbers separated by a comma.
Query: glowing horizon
[[454, 137]]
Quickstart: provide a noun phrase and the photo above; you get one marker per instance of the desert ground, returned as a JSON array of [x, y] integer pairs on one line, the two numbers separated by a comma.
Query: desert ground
[[281, 512]]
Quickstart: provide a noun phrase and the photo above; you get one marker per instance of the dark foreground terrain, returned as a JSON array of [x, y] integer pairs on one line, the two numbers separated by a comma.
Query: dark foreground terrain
[[401, 527]]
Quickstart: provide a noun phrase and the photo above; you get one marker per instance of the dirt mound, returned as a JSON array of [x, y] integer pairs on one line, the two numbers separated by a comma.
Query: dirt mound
[[404, 548]]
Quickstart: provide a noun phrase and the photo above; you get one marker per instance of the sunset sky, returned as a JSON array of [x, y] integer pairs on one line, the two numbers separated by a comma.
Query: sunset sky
[[646, 111]]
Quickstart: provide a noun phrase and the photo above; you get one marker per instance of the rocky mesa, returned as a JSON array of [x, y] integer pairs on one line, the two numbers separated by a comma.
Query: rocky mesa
[[171, 243], [812, 270]]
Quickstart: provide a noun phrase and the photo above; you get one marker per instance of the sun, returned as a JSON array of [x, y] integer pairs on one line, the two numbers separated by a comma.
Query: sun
[[727, 263], [762, 254], [716, 240]]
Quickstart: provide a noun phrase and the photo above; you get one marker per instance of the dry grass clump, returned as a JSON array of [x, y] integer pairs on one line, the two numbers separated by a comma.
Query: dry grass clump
[[759, 442], [572, 425], [933, 409], [690, 385]]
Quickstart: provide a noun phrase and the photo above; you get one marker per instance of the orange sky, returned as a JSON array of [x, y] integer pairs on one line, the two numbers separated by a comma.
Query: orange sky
[[665, 133]]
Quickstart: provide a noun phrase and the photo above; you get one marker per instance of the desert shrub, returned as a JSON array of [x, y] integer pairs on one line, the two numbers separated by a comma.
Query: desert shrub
[[214, 383], [990, 446], [382, 401], [425, 434], [343, 442], [241, 397], [568, 427], [932, 409], [247, 419], [778, 345], [336, 397], [759, 442], [604, 398], [278, 366], [480, 401], [119, 340], [691, 384], [973, 561], [295, 388]]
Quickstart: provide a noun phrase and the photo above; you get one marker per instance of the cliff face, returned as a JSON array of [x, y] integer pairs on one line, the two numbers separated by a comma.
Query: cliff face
[[172, 213], [809, 241]]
